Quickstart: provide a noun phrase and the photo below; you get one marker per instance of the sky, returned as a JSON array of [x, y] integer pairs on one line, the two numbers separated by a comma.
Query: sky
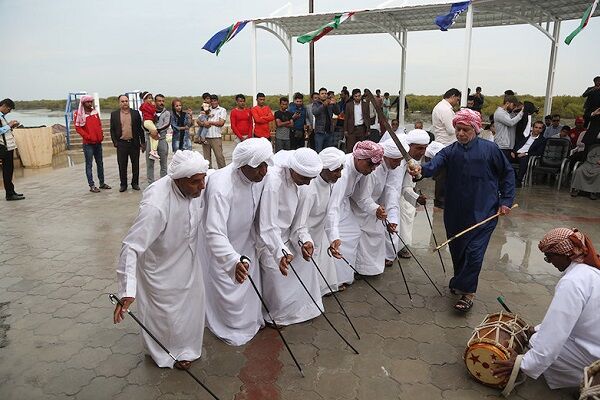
[[51, 48]]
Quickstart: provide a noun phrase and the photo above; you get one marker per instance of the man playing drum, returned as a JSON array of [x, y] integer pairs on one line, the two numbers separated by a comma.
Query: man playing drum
[[568, 338]]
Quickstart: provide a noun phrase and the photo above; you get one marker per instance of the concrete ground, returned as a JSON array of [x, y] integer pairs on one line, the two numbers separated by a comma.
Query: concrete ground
[[58, 250]]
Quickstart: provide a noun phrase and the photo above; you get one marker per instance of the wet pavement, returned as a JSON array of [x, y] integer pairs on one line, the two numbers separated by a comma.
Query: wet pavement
[[58, 251]]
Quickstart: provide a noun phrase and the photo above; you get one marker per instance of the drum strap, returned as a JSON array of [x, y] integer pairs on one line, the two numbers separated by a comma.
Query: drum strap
[[513, 377]]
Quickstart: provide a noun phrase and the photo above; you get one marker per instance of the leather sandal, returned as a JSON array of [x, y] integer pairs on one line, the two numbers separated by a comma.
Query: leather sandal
[[464, 304], [94, 189]]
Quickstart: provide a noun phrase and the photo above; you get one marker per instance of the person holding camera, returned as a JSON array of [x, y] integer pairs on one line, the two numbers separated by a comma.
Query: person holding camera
[[323, 109], [301, 122]]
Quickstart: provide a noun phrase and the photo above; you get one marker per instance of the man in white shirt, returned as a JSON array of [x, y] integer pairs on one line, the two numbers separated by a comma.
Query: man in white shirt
[[568, 339], [534, 146], [441, 118], [159, 265], [286, 298], [233, 310], [214, 140]]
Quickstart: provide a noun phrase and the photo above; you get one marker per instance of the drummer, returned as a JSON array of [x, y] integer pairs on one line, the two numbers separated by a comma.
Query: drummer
[[568, 338]]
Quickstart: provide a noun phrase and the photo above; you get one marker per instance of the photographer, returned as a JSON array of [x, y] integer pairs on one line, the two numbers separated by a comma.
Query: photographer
[[323, 109]]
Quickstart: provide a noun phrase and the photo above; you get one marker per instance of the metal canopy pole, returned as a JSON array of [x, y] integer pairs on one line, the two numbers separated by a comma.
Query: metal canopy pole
[[290, 70], [467, 62], [254, 56], [401, 100], [552, 67]]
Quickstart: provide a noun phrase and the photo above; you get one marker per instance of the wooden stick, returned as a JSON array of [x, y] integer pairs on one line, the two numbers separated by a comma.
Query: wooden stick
[[471, 228]]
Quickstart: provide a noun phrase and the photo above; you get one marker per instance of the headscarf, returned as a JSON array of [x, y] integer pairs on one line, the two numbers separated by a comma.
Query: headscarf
[[418, 136], [467, 116], [390, 150], [571, 243], [332, 158], [187, 163], [433, 148], [81, 116], [367, 150], [306, 162], [252, 152]]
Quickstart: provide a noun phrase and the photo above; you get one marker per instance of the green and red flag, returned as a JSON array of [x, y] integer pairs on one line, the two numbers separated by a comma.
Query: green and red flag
[[584, 21], [325, 29]]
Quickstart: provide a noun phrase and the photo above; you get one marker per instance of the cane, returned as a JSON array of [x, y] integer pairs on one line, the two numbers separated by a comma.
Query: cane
[[285, 253], [246, 260], [400, 266], [332, 292], [503, 304], [433, 234], [114, 299], [415, 258], [366, 281]]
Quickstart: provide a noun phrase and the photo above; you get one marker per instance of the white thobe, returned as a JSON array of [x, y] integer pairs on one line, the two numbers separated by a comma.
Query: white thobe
[[568, 338], [158, 265], [310, 227], [341, 223], [378, 188], [234, 311], [287, 300], [441, 119]]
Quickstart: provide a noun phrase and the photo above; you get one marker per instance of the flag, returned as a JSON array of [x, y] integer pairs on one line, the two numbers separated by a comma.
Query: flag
[[325, 29], [215, 43], [584, 21], [445, 21]]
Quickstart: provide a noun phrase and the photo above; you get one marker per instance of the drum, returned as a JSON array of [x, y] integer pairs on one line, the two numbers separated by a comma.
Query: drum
[[590, 387], [491, 341]]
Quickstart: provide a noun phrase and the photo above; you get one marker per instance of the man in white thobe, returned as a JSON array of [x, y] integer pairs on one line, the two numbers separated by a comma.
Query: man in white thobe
[[417, 140], [375, 196], [341, 226], [232, 196], [159, 265], [309, 227], [287, 300], [568, 339]]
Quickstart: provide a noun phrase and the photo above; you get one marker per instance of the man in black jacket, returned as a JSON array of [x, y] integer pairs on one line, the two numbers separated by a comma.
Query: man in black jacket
[[533, 146], [128, 137]]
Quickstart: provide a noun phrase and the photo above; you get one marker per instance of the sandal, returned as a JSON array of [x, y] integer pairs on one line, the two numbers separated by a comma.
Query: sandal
[[389, 263], [105, 186], [94, 189], [464, 304], [404, 253], [183, 365]]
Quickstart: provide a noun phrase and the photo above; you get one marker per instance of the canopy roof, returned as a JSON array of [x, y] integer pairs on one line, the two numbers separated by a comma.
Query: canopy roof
[[416, 15]]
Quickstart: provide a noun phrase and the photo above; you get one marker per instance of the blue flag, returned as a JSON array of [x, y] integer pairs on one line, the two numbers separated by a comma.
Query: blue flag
[[447, 20], [217, 41]]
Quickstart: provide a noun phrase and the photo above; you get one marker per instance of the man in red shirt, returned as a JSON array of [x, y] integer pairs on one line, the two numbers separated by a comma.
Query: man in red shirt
[[262, 115], [241, 120], [575, 132], [89, 126]]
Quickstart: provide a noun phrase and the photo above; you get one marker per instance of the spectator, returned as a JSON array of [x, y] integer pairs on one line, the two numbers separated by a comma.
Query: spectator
[[471, 102], [89, 126], [7, 149], [311, 118], [396, 103], [339, 122], [577, 131], [418, 124], [262, 115], [214, 139], [181, 123], [505, 124], [301, 122], [524, 126], [478, 99], [283, 125], [356, 120], [148, 110], [163, 123], [378, 98], [395, 125], [444, 132], [128, 137], [387, 104], [241, 120], [587, 177], [564, 132], [534, 146], [592, 100], [323, 110], [554, 128], [202, 118]]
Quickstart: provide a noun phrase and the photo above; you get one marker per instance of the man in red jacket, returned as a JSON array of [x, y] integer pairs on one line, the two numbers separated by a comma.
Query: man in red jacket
[[89, 126], [262, 115]]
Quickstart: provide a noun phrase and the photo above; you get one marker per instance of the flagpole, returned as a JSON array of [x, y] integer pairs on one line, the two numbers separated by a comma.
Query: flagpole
[[311, 54], [467, 62], [254, 61], [552, 67]]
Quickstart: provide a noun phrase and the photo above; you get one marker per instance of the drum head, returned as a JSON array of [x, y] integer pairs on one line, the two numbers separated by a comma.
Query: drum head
[[479, 359]]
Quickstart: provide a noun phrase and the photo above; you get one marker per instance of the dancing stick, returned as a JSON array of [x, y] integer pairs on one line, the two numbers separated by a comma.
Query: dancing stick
[[472, 227], [246, 260], [400, 266], [367, 282], [386, 223], [501, 301], [433, 234], [114, 299], [332, 292], [285, 253]]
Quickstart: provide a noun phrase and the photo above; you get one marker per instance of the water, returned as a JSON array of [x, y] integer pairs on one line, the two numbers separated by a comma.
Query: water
[[29, 118]]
